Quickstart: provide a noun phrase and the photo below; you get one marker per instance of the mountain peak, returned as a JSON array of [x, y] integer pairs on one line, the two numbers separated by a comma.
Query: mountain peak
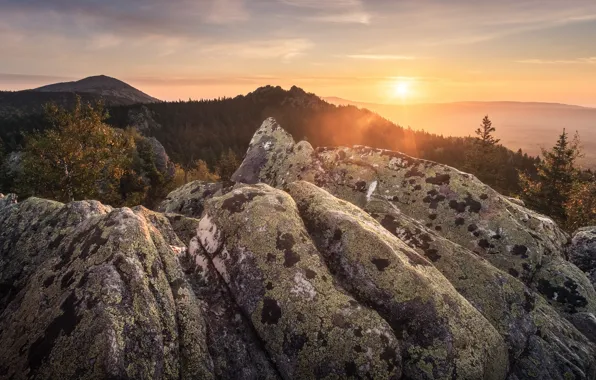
[[102, 85]]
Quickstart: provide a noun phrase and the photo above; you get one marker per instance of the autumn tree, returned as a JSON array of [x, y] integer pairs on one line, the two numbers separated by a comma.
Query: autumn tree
[[199, 172], [551, 190], [80, 157]]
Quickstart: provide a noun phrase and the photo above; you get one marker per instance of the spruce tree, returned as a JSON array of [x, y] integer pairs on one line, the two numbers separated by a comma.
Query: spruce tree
[[550, 190], [485, 133], [482, 159]]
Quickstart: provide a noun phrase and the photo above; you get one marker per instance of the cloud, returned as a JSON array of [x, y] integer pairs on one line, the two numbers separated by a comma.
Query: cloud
[[162, 44], [333, 11], [589, 60], [174, 17], [326, 5], [284, 49], [344, 18], [227, 11], [104, 41], [382, 57], [465, 22]]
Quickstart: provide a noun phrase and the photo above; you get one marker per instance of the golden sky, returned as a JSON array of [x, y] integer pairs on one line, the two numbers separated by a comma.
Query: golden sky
[[387, 51]]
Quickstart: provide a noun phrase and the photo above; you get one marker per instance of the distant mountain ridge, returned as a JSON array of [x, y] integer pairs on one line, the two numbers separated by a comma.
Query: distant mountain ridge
[[341, 101], [104, 86]]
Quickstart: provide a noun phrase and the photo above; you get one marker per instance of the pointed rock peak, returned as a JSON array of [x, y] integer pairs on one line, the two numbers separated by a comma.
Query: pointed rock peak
[[270, 145], [268, 141]]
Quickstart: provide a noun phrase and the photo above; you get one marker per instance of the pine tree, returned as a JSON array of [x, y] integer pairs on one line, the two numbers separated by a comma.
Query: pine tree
[[484, 133], [551, 189], [483, 159]]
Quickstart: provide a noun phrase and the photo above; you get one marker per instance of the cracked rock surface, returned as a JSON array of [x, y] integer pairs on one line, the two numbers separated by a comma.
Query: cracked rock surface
[[324, 264]]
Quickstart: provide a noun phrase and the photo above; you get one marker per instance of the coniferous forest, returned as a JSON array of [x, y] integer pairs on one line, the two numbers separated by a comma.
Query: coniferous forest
[[206, 140]]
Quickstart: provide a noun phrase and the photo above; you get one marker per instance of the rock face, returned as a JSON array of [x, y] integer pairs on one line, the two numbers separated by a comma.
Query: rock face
[[335, 263], [582, 252]]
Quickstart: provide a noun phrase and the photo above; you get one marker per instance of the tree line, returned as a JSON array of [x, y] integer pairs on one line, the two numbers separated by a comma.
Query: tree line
[[118, 155], [79, 156], [559, 188]]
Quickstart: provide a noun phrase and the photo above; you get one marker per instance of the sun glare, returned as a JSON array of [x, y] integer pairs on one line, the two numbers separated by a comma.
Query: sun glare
[[401, 89]]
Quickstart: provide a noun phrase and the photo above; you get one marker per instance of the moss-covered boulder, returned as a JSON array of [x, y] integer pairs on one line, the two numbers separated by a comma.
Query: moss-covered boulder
[[456, 205], [442, 335], [509, 262], [91, 293], [311, 327], [189, 199], [582, 252]]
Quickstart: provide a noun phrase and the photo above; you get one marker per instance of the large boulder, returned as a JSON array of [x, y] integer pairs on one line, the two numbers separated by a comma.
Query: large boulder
[[442, 334], [456, 205], [312, 328], [582, 251], [190, 199], [90, 292]]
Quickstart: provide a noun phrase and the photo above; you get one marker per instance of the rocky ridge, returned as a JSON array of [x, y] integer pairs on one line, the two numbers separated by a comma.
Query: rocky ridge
[[334, 263]]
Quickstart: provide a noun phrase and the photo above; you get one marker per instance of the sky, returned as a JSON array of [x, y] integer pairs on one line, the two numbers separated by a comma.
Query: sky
[[384, 51]]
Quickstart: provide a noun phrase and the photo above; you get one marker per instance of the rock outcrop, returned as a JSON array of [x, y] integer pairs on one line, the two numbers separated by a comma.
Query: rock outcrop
[[328, 263], [582, 251], [454, 205]]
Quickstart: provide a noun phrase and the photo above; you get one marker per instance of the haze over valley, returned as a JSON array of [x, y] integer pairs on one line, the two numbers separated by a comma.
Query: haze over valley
[[520, 125]]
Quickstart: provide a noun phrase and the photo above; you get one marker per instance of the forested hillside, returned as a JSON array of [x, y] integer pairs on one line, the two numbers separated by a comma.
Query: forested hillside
[[206, 139], [22, 111], [204, 129]]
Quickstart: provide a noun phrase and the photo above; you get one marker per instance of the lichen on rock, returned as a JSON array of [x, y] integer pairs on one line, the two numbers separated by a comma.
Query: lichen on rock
[[582, 252], [328, 263], [442, 334], [310, 328]]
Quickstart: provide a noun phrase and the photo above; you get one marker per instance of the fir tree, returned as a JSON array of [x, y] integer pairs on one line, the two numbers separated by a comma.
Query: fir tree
[[485, 133], [483, 159], [551, 189]]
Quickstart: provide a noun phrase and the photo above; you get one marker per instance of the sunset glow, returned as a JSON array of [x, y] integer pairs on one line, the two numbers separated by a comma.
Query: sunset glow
[[402, 89], [522, 50]]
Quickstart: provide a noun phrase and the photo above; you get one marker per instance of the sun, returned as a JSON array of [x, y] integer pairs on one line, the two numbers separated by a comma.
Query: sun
[[401, 89]]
